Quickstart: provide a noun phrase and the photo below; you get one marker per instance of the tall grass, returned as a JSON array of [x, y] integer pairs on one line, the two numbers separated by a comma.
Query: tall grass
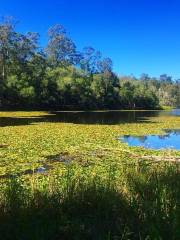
[[144, 204]]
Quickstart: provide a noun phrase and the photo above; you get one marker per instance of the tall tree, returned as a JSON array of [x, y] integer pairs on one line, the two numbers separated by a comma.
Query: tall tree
[[105, 65], [7, 36], [61, 49], [89, 60]]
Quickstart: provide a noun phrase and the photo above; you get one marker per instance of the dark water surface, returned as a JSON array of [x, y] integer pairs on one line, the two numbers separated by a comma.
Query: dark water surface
[[111, 117], [104, 117], [93, 117]]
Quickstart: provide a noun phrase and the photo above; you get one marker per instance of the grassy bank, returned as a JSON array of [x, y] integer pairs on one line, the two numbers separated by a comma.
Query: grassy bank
[[77, 181]]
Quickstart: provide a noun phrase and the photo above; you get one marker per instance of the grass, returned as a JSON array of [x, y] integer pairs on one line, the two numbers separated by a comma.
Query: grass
[[143, 205], [95, 186]]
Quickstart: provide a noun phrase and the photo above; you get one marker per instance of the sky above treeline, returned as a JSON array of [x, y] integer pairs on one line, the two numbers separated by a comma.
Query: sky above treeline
[[140, 36]]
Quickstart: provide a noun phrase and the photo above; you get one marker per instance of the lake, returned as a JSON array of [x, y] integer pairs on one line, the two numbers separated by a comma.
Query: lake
[[110, 117], [170, 140], [89, 117]]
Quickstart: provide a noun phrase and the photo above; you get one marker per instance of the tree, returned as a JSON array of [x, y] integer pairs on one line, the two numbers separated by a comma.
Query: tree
[[144, 77], [165, 78], [60, 76], [127, 95], [61, 49], [89, 60], [105, 65], [7, 36]]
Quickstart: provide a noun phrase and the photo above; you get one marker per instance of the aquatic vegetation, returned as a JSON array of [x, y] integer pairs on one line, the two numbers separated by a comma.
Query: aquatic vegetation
[[65, 179]]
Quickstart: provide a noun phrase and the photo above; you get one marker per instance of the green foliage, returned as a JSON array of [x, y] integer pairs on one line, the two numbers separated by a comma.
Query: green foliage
[[62, 77]]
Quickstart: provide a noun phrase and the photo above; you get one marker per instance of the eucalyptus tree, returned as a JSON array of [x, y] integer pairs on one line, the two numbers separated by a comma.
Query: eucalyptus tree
[[89, 60], [7, 39], [61, 50], [105, 65]]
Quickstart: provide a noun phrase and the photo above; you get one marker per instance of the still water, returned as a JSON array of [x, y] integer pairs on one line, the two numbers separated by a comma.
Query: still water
[[91, 117], [110, 117], [170, 140]]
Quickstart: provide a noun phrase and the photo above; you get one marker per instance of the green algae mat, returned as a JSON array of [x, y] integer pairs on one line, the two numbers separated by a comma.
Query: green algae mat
[[38, 142]]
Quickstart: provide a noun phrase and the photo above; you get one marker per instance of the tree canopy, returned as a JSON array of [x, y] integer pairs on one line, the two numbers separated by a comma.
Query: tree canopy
[[60, 76]]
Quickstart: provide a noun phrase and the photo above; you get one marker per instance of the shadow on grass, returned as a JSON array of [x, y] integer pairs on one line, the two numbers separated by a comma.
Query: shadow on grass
[[156, 198], [94, 209], [101, 117], [87, 214]]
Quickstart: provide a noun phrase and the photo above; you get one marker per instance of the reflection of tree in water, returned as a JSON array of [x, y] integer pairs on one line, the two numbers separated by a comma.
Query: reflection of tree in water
[[142, 139], [164, 136], [94, 117], [126, 137], [169, 133], [175, 112], [171, 139], [173, 131]]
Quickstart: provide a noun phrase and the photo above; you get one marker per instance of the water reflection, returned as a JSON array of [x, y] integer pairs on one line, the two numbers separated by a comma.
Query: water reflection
[[170, 140], [110, 117], [175, 112], [104, 117], [91, 117]]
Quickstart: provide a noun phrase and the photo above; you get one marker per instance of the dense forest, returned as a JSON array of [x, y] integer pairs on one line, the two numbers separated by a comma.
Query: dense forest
[[59, 76]]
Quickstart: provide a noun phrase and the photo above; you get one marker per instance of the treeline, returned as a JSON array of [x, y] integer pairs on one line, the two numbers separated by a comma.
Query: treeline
[[60, 76]]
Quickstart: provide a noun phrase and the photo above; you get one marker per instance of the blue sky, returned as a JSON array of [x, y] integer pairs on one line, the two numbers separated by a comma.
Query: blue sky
[[141, 36]]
